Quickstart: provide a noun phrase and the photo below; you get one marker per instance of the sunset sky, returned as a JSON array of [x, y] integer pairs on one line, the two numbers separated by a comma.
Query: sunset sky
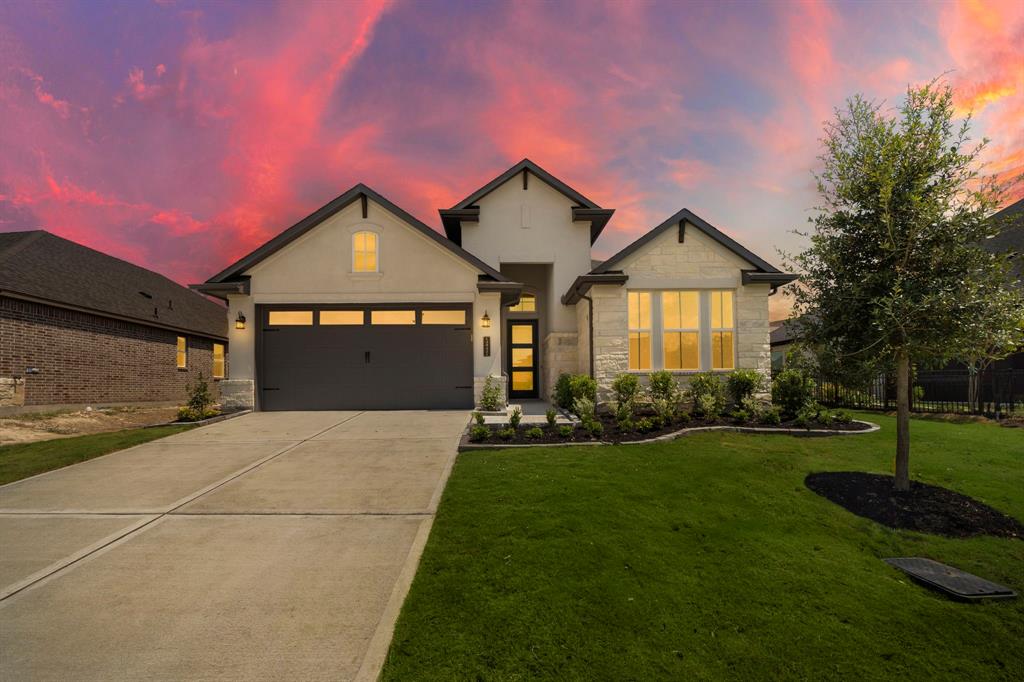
[[180, 135]]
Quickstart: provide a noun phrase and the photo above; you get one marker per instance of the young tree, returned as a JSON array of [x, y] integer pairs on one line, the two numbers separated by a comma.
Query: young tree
[[895, 274]]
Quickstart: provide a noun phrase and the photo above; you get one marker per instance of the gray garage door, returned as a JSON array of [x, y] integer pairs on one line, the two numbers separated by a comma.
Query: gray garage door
[[392, 357]]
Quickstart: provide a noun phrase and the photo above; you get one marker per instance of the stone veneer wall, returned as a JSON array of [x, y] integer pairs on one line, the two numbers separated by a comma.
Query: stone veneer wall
[[583, 341], [699, 262], [561, 356]]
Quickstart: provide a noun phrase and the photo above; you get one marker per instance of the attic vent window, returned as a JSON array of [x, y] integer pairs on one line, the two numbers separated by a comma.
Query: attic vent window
[[144, 294]]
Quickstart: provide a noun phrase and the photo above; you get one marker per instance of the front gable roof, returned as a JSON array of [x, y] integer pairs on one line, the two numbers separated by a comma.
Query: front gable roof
[[466, 210], [686, 217], [236, 271]]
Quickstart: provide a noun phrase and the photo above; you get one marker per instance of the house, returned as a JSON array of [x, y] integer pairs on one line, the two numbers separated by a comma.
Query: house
[[79, 327], [782, 338], [360, 305]]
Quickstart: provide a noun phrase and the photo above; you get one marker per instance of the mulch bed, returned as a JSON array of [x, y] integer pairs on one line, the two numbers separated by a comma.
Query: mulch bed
[[612, 433], [924, 508]]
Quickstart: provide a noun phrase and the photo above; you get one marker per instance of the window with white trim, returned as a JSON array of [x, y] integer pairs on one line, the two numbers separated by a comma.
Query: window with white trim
[[364, 251], [639, 304], [723, 328]]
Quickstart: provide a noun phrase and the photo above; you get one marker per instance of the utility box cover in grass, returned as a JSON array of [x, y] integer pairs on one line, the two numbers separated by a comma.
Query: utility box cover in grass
[[954, 582]]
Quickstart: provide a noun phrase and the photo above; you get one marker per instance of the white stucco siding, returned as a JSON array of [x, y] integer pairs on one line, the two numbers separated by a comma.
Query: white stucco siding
[[533, 226], [317, 268], [664, 264]]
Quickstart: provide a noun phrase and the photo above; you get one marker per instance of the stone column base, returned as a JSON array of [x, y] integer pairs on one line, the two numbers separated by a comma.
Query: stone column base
[[12, 392], [237, 394]]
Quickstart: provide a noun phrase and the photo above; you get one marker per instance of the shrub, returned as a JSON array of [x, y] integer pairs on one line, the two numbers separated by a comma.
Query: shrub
[[807, 415], [683, 418], [551, 416], [664, 386], [535, 432], [645, 425], [626, 425], [626, 388], [199, 398], [742, 384], [584, 409], [479, 433], [792, 390], [565, 430], [842, 416], [569, 387], [664, 410], [741, 416], [478, 418], [507, 434], [515, 418], [491, 397], [596, 429], [708, 395], [772, 416]]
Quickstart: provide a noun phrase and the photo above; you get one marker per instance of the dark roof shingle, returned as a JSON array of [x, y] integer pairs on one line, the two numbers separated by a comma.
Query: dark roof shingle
[[41, 265]]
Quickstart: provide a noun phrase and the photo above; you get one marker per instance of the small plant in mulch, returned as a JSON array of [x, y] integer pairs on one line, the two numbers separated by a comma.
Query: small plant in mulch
[[479, 433], [200, 402], [924, 508], [535, 433], [565, 431], [551, 416], [515, 418]]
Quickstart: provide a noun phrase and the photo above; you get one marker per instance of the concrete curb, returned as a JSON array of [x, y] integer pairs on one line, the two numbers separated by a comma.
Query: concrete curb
[[202, 422], [466, 446]]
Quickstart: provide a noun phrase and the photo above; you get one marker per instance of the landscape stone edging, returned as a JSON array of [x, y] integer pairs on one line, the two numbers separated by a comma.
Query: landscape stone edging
[[202, 422], [465, 445]]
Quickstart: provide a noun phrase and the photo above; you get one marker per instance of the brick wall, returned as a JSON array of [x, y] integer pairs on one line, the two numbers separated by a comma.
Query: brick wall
[[90, 359]]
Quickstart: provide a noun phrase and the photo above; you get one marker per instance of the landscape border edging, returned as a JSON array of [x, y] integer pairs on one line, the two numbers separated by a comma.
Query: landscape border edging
[[466, 446]]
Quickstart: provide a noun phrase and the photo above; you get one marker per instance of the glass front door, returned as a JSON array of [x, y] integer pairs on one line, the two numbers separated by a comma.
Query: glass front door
[[522, 359]]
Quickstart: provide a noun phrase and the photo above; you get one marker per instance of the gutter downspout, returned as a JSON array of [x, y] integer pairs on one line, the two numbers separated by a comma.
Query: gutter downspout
[[590, 329]]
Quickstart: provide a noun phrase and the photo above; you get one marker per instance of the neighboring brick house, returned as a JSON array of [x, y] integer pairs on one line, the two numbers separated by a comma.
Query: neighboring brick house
[[79, 327]]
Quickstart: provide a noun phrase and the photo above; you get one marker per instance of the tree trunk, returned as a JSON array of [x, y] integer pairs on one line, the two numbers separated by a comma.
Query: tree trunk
[[902, 420]]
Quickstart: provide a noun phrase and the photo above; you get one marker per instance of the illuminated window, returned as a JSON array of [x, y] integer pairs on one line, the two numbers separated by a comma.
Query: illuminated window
[[522, 381], [393, 317], [218, 361], [290, 318], [527, 304], [182, 354], [723, 327], [338, 317], [681, 325], [364, 252], [639, 330], [444, 317]]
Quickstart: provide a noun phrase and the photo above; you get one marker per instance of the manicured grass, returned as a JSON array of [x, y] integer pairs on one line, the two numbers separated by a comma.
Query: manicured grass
[[708, 558], [28, 459]]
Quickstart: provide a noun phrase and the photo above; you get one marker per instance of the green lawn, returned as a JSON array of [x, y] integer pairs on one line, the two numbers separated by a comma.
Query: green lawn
[[707, 558], [28, 459]]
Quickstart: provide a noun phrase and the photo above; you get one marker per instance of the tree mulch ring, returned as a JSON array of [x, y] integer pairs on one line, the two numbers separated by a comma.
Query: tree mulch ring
[[924, 508]]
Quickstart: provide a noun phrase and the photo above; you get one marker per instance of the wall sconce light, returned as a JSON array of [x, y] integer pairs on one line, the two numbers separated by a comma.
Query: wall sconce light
[[240, 321], [485, 321]]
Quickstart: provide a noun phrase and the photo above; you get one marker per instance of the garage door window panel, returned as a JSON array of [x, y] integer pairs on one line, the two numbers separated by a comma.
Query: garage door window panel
[[290, 318], [452, 317], [393, 317], [341, 317]]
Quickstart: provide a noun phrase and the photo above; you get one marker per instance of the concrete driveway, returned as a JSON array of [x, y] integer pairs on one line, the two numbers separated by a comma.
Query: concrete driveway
[[271, 546]]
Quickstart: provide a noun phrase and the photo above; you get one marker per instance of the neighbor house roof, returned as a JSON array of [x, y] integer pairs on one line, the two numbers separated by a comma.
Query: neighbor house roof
[[1011, 236], [466, 210], [786, 332], [233, 275], [41, 266]]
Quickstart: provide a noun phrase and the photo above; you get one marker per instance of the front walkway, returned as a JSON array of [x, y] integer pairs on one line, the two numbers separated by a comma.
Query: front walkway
[[271, 546]]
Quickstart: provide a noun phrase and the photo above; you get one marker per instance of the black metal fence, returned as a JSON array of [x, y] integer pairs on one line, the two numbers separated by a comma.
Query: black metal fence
[[998, 392]]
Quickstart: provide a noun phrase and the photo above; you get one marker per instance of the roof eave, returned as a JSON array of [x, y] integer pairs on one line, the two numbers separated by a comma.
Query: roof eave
[[583, 283], [597, 217], [221, 290]]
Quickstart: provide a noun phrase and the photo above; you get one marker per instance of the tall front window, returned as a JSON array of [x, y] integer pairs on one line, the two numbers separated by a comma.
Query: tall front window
[[364, 252], [218, 361], [181, 355], [639, 330], [723, 326], [681, 325]]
